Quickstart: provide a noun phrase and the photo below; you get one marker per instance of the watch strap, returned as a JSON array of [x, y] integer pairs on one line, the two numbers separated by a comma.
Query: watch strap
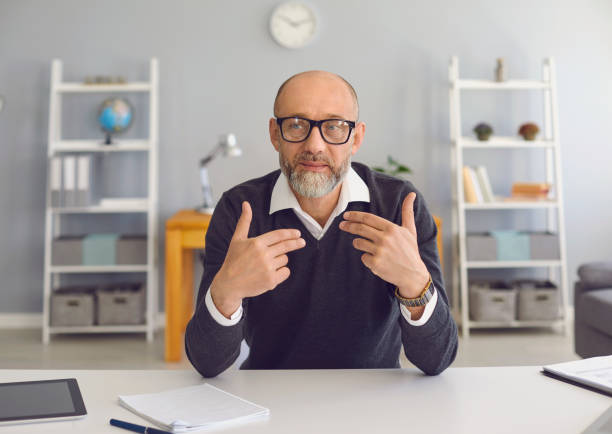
[[426, 295]]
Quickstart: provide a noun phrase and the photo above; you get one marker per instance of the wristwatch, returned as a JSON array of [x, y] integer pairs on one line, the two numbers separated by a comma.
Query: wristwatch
[[421, 300]]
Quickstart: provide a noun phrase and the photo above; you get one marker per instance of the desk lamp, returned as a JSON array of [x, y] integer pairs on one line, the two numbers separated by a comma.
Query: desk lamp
[[228, 146]]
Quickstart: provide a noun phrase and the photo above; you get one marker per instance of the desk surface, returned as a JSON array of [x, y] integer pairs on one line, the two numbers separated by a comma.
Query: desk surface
[[460, 400]]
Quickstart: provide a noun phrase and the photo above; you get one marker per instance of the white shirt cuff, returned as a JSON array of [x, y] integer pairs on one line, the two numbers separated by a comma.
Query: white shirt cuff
[[429, 308], [218, 316]]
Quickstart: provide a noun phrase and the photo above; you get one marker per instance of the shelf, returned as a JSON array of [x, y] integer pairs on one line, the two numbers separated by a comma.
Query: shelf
[[514, 324], [495, 85], [100, 209], [99, 329], [136, 86], [504, 142], [98, 146], [513, 264], [551, 203], [99, 269]]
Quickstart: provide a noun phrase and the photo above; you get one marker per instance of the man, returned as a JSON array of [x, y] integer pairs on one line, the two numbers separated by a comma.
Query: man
[[325, 265]]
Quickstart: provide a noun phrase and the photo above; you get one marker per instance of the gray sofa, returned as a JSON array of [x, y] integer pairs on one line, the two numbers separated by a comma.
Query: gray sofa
[[593, 310]]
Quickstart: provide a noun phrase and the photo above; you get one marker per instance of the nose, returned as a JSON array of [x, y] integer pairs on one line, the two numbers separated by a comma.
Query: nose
[[315, 143]]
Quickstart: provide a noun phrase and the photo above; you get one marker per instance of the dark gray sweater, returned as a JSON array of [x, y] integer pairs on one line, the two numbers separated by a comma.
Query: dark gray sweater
[[332, 312]]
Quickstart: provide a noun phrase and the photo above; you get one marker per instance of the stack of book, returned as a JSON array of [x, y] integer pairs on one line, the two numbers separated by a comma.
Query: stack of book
[[476, 184], [530, 190]]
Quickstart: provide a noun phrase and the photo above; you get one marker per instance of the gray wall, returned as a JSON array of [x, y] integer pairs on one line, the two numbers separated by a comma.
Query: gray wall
[[220, 70]]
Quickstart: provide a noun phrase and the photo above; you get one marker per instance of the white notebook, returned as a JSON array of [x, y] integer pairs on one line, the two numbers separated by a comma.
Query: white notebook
[[593, 372], [193, 408]]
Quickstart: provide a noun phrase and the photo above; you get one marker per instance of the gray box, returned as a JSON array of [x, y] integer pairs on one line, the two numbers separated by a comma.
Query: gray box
[[121, 304], [67, 250], [72, 307], [132, 250], [481, 247], [537, 300], [492, 301], [544, 245]]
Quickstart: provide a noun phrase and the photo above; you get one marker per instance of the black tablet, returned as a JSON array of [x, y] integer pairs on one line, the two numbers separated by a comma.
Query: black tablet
[[38, 401]]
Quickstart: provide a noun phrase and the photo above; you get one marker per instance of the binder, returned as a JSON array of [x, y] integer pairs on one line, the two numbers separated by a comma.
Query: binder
[[69, 180], [55, 181], [485, 183], [469, 187], [83, 185]]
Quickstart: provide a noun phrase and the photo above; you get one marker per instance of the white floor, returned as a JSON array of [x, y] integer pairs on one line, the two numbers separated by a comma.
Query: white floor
[[23, 349]]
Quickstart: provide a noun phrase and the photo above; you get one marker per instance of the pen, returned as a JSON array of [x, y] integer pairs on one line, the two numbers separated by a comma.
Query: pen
[[137, 428]]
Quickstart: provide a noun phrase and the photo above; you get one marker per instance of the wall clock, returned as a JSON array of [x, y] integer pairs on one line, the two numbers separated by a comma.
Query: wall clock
[[293, 24]]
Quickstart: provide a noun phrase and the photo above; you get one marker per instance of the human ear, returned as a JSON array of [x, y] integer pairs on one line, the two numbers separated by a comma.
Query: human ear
[[274, 133], [358, 134]]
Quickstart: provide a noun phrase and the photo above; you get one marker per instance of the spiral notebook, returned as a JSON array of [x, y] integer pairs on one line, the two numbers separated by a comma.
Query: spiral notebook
[[193, 408]]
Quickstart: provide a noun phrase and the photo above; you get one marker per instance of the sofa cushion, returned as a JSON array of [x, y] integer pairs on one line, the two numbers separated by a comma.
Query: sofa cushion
[[596, 275], [596, 309]]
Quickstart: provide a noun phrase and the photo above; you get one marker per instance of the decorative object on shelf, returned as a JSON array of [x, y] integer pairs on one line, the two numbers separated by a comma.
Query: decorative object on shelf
[[105, 79], [229, 147], [500, 70], [530, 190], [115, 116], [483, 131], [293, 24], [529, 131], [393, 168]]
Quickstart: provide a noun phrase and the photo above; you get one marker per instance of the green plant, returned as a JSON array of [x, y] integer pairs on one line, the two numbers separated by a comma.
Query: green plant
[[483, 131], [393, 168]]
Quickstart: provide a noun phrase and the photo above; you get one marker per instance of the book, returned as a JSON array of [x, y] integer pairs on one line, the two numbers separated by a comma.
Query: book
[[485, 183], [193, 408], [69, 180], [83, 192], [477, 188], [594, 373], [468, 186], [55, 181]]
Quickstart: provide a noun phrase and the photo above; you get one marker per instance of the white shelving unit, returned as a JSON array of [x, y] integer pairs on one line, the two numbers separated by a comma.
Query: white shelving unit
[[148, 205], [557, 269]]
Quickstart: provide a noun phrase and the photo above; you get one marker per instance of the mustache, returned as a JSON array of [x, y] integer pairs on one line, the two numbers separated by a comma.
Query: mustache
[[309, 156]]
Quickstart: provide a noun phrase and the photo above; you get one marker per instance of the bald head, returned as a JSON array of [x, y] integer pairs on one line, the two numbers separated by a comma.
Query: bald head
[[296, 85]]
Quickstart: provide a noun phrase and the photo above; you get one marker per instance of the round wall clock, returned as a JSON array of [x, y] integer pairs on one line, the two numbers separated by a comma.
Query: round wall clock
[[293, 24]]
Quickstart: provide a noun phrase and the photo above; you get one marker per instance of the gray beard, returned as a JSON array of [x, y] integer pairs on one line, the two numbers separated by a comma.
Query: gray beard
[[313, 184]]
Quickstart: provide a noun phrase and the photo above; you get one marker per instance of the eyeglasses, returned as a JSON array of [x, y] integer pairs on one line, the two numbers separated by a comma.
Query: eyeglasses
[[295, 129]]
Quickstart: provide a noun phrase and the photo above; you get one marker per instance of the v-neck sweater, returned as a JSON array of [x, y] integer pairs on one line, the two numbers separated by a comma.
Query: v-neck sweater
[[332, 312]]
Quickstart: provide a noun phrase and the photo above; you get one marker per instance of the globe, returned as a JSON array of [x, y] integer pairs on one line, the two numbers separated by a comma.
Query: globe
[[115, 116]]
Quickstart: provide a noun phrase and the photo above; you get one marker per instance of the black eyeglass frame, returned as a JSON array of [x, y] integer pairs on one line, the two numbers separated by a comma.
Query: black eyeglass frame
[[279, 122]]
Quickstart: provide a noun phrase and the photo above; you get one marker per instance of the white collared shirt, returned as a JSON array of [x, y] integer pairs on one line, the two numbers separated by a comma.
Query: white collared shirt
[[353, 189]]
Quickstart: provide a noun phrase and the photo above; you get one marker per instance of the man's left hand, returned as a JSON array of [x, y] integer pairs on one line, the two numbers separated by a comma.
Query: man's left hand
[[391, 251]]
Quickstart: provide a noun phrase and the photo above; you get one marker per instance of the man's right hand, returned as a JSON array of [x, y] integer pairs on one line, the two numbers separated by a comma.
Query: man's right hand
[[252, 266]]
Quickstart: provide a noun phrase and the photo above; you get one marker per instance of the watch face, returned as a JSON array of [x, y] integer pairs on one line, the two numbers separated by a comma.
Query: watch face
[[293, 24]]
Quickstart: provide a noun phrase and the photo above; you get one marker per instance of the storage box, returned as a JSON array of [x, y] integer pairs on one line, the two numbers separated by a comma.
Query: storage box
[[132, 250], [512, 245], [481, 247], [537, 300], [121, 304], [492, 301], [72, 307], [67, 250], [544, 245], [100, 249]]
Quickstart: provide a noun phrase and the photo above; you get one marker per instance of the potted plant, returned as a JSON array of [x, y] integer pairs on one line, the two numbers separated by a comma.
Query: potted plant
[[483, 131], [529, 131], [393, 168]]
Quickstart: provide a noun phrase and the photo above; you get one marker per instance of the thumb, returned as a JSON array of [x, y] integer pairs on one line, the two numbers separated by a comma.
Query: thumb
[[408, 213], [244, 222]]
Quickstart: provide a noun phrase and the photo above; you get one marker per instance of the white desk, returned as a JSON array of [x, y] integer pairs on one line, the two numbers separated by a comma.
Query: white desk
[[460, 400]]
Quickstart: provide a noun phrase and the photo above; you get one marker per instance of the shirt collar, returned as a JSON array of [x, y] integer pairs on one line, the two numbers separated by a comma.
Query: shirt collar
[[353, 190]]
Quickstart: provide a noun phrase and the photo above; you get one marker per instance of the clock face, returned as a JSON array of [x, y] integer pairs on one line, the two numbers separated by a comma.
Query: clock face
[[293, 24]]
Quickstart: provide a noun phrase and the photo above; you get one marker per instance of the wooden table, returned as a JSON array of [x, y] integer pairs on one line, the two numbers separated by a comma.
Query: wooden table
[[185, 231]]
